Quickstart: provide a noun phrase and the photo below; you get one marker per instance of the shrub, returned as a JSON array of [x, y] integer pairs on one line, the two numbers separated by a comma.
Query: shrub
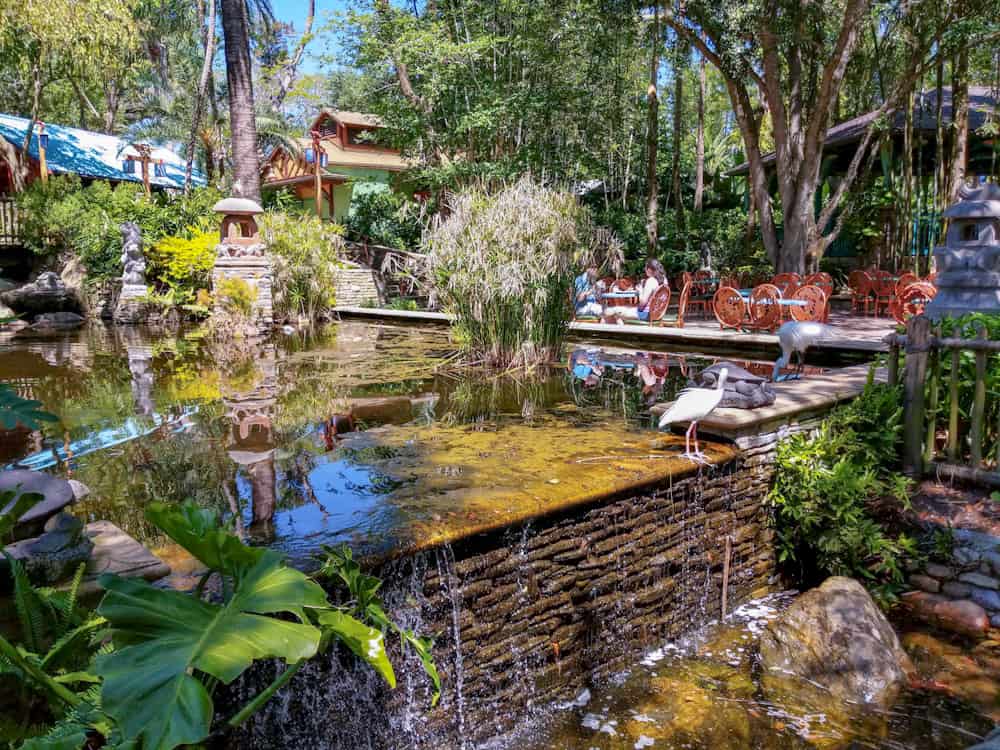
[[62, 215], [184, 264], [384, 218], [503, 264], [824, 493], [236, 296], [306, 256]]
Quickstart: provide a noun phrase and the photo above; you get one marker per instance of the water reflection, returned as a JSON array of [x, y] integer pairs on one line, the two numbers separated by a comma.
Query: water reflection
[[355, 432]]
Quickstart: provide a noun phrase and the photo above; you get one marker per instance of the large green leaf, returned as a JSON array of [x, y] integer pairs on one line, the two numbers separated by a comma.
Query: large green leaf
[[199, 531], [367, 643], [163, 635], [15, 410]]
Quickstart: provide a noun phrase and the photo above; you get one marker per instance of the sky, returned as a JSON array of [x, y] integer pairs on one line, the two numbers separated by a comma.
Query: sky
[[294, 12]]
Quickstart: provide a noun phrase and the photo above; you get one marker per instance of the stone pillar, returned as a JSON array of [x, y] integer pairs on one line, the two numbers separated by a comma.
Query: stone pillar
[[132, 307], [241, 254]]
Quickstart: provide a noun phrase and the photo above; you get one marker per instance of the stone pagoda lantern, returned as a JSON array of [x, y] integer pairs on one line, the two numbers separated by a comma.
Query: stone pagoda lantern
[[969, 263], [241, 254]]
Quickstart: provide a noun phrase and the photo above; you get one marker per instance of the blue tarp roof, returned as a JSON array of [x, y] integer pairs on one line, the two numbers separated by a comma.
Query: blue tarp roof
[[89, 154]]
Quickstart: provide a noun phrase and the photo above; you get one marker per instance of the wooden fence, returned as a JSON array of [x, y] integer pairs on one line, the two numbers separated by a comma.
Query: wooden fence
[[10, 228], [951, 418]]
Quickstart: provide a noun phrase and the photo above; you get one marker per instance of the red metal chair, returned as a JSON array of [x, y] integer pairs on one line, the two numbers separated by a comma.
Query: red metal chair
[[824, 281], [815, 307], [765, 312], [862, 287], [913, 300], [787, 283], [729, 307], [701, 292], [885, 291]]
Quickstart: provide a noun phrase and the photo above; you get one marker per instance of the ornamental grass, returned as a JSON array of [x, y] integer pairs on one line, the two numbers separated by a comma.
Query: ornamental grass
[[503, 265]]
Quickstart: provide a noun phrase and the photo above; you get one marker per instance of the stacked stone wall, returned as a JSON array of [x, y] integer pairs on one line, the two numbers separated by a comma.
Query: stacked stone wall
[[535, 614]]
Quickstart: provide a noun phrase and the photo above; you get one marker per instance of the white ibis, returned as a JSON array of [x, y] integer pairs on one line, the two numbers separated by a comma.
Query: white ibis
[[797, 336], [692, 405]]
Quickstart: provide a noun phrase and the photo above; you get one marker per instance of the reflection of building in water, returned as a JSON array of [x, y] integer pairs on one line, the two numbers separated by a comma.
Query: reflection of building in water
[[250, 412]]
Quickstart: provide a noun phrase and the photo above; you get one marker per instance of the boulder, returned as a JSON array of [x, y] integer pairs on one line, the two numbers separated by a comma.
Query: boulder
[[56, 495], [45, 294], [57, 553], [64, 321], [955, 616], [836, 637]]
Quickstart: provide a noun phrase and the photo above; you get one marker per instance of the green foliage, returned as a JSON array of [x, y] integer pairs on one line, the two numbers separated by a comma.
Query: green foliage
[[306, 255], [967, 327], [23, 502], [236, 296], [383, 217], [503, 265], [49, 663], [61, 215], [825, 487], [184, 263], [15, 410], [365, 605], [170, 648]]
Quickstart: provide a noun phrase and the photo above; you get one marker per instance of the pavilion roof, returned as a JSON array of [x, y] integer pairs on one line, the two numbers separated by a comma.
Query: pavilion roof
[[93, 155]]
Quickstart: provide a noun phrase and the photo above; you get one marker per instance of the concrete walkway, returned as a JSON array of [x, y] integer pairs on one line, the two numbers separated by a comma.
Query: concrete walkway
[[854, 333]]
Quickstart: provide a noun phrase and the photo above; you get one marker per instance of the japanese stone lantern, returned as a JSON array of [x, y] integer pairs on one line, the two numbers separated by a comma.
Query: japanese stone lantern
[[969, 262], [241, 254]]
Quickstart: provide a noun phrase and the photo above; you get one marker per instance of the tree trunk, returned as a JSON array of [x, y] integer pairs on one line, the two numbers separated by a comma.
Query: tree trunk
[[960, 123], [199, 102], [699, 142], [239, 77], [288, 73], [652, 137], [680, 229]]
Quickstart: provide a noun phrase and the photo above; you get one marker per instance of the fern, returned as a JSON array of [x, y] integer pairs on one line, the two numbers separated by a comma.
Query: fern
[[67, 606], [28, 605], [64, 650]]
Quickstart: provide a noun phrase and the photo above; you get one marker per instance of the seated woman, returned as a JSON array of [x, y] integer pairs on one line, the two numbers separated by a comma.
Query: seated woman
[[586, 291], [655, 276]]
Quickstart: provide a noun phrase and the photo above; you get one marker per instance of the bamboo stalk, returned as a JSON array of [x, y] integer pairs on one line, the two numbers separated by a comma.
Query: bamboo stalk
[[953, 415], [978, 406], [932, 406]]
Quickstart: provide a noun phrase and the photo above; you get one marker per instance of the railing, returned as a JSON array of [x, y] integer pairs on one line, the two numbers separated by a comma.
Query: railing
[[10, 228], [950, 427]]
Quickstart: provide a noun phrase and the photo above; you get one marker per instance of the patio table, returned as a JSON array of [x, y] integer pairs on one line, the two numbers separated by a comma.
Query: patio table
[[632, 296], [745, 294]]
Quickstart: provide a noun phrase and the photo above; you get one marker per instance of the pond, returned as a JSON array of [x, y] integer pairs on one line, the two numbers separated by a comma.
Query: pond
[[705, 692], [374, 435], [364, 433]]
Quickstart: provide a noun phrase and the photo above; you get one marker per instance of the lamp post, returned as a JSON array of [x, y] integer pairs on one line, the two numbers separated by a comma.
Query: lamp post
[[144, 157], [43, 145], [317, 151]]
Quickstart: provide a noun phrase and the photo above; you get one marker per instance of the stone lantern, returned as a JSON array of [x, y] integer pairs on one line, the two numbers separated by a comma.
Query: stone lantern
[[241, 254], [969, 262]]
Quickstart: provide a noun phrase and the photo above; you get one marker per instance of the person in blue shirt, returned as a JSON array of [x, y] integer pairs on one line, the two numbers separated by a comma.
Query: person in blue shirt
[[585, 300]]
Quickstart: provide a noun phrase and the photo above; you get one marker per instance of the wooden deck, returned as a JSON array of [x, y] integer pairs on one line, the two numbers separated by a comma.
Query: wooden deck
[[855, 334]]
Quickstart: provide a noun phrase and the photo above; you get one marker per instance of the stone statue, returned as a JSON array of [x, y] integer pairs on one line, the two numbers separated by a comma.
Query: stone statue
[[969, 262], [134, 273], [742, 389]]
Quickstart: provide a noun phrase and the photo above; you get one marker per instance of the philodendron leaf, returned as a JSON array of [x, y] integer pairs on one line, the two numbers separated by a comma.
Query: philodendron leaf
[[199, 531], [162, 636], [15, 410], [367, 643]]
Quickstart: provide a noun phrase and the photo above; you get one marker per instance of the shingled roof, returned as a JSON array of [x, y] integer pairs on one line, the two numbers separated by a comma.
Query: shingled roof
[[981, 103], [92, 155]]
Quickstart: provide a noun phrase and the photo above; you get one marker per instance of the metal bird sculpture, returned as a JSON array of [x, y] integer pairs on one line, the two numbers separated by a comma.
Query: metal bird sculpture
[[692, 405], [797, 336]]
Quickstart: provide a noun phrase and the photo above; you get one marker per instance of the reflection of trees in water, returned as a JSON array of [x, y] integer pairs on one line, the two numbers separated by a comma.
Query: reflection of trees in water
[[477, 396], [166, 467]]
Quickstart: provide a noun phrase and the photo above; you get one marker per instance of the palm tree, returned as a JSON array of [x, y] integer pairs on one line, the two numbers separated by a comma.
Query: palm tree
[[236, 35]]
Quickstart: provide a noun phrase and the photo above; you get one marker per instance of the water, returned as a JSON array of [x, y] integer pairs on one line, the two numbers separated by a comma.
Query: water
[[437, 453], [705, 692]]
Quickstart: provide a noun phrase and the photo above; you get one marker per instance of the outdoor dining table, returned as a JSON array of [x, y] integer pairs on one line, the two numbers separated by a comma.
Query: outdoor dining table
[[745, 294]]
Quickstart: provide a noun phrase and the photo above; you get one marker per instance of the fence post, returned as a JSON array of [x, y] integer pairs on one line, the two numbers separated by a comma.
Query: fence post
[[918, 339]]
